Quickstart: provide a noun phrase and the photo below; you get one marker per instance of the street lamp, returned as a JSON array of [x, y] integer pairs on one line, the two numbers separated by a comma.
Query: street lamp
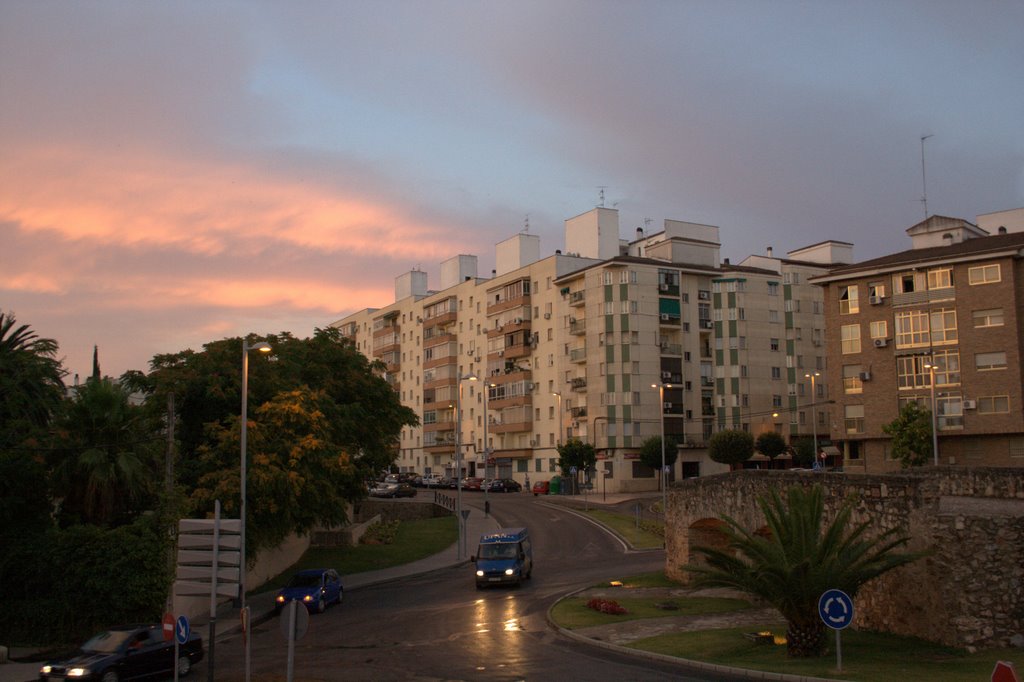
[[458, 462], [930, 366], [263, 347], [664, 486], [814, 417], [560, 421]]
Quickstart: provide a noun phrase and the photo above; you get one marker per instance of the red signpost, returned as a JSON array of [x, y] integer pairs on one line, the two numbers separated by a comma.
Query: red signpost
[[168, 626], [1004, 672]]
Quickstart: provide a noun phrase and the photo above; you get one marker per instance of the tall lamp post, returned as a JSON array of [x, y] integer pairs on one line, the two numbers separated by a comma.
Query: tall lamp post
[[664, 484], [930, 366], [263, 347], [458, 463], [814, 417]]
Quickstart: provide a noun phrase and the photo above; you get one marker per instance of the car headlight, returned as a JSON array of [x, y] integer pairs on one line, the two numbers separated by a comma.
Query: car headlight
[[78, 672], [280, 599], [479, 574], [308, 597], [45, 670], [509, 571]]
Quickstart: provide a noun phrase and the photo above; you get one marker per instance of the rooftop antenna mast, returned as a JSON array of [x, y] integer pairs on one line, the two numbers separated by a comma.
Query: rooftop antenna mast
[[526, 224], [924, 183], [600, 194]]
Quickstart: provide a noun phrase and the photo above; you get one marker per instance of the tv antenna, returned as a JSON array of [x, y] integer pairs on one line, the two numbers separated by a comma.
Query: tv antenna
[[924, 182], [600, 194], [526, 224]]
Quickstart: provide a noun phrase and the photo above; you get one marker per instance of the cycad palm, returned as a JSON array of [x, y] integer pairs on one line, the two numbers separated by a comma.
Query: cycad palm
[[799, 559]]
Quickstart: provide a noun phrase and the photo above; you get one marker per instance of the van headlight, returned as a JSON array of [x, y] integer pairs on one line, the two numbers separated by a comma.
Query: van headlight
[[509, 571], [78, 672], [479, 574], [45, 670]]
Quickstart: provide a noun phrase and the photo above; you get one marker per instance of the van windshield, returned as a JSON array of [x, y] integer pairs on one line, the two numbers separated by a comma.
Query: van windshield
[[503, 550]]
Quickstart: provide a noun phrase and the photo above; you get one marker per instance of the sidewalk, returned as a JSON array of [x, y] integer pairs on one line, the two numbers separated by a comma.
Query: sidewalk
[[262, 605]]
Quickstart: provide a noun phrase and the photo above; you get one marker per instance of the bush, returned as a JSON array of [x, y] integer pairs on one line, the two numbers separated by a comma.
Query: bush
[[609, 606], [380, 533]]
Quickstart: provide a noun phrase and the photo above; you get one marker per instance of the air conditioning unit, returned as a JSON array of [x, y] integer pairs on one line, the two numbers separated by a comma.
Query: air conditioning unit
[[664, 317], [865, 376], [501, 353], [876, 300], [970, 404], [518, 320], [529, 385], [666, 375], [547, 316], [667, 406], [881, 343], [707, 324], [534, 443], [704, 295], [663, 287]]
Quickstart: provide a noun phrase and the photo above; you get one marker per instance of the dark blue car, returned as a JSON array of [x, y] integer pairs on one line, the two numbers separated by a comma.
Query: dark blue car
[[315, 587], [126, 652]]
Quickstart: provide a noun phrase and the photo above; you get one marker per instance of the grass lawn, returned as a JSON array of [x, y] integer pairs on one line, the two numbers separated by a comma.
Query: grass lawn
[[867, 656], [625, 525], [415, 540]]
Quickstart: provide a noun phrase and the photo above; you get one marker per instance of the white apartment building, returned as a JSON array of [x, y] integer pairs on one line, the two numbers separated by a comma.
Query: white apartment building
[[613, 342]]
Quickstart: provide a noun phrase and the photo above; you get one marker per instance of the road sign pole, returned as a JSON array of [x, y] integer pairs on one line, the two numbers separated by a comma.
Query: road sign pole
[[839, 651], [175, 659], [293, 606], [211, 644]]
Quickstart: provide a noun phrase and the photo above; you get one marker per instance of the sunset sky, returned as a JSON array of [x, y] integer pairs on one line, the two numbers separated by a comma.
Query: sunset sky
[[177, 172]]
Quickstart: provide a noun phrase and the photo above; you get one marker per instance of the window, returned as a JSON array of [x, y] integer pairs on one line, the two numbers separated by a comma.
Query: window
[[774, 344], [984, 362], [776, 372], [773, 288], [940, 278], [950, 409], [776, 401], [876, 290], [854, 420], [850, 334], [907, 282], [995, 404], [880, 329], [848, 300], [607, 277], [851, 379], [773, 315], [943, 323], [983, 274], [910, 372], [993, 317], [911, 329], [947, 367]]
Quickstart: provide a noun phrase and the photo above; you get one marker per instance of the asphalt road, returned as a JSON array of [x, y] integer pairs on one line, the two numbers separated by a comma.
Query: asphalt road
[[440, 627]]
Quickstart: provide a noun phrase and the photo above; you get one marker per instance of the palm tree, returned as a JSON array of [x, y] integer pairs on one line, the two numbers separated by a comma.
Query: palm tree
[[31, 381], [799, 559]]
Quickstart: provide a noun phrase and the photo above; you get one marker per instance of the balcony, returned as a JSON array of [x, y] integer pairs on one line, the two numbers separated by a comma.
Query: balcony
[[671, 348], [578, 354], [579, 383], [669, 319], [577, 327], [577, 298]]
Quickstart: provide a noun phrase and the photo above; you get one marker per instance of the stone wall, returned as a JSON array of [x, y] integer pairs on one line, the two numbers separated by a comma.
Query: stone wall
[[968, 592]]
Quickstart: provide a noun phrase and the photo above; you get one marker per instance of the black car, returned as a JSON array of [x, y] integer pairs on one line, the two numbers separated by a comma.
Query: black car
[[126, 652], [504, 485]]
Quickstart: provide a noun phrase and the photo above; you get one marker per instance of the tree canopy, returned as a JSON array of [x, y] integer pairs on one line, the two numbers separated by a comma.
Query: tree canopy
[[911, 433], [771, 444], [31, 382], [731, 447]]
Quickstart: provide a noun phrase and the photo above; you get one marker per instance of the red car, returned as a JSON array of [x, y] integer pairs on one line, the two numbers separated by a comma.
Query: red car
[[540, 488], [472, 483]]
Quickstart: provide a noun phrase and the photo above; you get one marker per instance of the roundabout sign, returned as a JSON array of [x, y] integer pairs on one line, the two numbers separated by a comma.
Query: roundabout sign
[[836, 611]]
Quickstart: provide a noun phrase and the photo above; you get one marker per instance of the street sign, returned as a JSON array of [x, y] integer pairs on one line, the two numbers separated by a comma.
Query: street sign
[[203, 541], [294, 609], [206, 526], [225, 574], [195, 588], [168, 626], [204, 557], [836, 609], [182, 629], [1004, 672]]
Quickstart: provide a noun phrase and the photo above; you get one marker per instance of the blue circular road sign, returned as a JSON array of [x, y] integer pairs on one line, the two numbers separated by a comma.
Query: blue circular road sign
[[182, 629], [836, 609]]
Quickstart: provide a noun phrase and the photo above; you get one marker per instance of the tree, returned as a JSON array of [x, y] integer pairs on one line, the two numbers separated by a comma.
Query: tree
[[803, 452], [771, 444], [575, 453], [299, 477], [31, 382], [799, 558], [105, 468], [731, 447], [650, 453], [911, 435]]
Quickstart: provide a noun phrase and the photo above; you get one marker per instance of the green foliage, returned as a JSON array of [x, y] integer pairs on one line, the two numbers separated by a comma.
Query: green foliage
[[650, 452], [575, 453], [731, 447], [31, 382], [381, 533], [803, 452], [771, 444], [64, 585], [799, 558], [911, 435], [24, 501], [108, 456]]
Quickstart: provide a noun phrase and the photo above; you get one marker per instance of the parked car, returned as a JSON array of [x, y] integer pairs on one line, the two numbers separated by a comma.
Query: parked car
[[403, 489], [126, 652], [504, 485], [432, 480], [316, 588], [472, 483], [541, 488]]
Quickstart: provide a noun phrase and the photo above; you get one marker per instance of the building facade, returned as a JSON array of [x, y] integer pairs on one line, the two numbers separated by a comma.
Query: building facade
[[940, 325]]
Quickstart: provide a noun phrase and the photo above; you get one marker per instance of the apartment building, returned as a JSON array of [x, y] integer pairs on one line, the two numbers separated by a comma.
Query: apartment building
[[612, 342], [939, 324]]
